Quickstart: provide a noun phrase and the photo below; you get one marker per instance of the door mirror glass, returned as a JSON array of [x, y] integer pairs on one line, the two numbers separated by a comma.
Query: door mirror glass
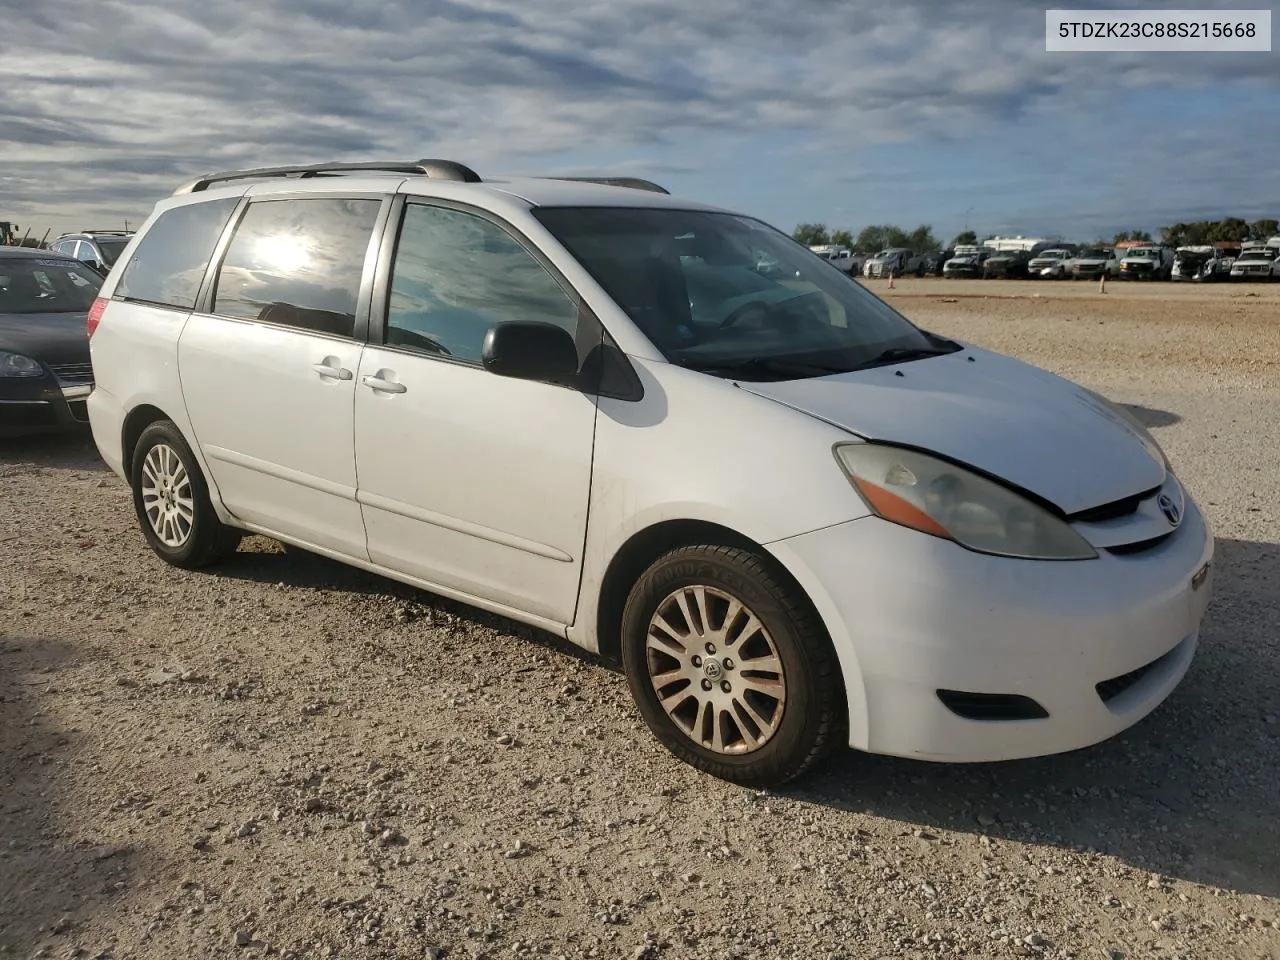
[[530, 350]]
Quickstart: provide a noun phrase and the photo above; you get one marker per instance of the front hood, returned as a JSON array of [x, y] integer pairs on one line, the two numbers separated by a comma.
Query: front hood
[[47, 337], [998, 415]]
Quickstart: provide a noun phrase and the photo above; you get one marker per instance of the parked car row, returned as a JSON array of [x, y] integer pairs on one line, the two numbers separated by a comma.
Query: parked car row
[[1130, 261], [1019, 258]]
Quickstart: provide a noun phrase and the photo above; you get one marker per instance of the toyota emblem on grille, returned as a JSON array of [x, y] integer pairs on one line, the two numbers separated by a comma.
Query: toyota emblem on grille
[[1169, 509]]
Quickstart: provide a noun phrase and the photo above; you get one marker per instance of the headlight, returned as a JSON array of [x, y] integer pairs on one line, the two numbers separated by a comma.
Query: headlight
[[16, 365], [943, 500]]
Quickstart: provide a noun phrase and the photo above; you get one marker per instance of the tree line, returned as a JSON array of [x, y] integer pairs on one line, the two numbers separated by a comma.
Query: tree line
[[1226, 230], [869, 239], [921, 239]]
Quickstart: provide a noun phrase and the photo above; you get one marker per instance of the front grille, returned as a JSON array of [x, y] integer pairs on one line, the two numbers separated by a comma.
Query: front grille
[[991, 706], [1113, 511], [1108, 690], [73, 373]]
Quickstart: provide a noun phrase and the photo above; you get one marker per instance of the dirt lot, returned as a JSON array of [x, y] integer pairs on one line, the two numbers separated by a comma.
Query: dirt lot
[[290, 757]]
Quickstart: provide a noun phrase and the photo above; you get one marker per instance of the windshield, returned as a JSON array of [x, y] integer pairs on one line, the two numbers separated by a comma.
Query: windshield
[[1258, 255], [1095, 255], [1142, 254], [1054, 255], [37, 285], [689, 281], [111, 250]]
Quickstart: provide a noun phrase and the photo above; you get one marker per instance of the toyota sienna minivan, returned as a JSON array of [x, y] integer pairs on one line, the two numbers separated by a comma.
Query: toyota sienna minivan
[[798, 520]]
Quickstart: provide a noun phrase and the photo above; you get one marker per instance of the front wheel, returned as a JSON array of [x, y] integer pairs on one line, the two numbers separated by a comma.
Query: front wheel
[[171, 499], [730, 667]]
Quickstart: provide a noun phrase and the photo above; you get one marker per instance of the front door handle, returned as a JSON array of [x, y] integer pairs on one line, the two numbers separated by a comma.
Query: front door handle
[[332, 371], [379, 385]]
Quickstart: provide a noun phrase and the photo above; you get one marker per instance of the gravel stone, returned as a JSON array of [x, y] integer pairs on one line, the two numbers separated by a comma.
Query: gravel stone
[[355, 706]]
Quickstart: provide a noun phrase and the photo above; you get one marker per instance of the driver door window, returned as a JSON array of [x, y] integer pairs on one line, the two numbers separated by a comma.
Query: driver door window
[[456, 275]]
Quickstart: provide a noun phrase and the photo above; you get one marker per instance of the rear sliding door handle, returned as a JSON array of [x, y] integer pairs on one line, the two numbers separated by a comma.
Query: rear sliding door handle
[[332, 373], [380, 385]]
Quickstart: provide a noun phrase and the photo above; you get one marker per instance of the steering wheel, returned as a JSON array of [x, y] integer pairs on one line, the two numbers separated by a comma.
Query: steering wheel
[[753, 307]]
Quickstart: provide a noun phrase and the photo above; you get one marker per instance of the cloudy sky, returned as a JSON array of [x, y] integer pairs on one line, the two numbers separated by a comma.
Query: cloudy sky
[[843, 112]]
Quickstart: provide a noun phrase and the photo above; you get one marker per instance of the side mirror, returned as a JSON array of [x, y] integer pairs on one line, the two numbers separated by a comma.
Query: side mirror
[[528, 350]]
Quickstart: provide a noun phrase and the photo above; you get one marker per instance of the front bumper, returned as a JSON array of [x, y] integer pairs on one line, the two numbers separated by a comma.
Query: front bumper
[[911, 615], [32, 405]]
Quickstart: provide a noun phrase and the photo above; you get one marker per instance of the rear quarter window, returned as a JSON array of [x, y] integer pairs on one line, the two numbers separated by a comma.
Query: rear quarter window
[[170, 260]]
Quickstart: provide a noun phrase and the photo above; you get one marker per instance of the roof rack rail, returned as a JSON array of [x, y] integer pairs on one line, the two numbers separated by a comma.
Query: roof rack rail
[[436, 169], [635, 183]]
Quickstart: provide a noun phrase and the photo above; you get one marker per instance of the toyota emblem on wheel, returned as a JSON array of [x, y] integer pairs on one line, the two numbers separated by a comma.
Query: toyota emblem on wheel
[[1169, 509]]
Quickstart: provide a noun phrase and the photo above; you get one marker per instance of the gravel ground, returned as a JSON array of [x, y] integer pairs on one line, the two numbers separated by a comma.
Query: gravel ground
[[291, 757]]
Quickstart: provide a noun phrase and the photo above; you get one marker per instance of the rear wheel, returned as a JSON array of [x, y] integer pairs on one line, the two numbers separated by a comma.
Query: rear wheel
[[730, 668], [171, 499]]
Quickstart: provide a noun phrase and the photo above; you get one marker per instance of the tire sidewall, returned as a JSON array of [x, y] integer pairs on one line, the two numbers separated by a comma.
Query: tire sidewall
[[799, 730], [205, 525]]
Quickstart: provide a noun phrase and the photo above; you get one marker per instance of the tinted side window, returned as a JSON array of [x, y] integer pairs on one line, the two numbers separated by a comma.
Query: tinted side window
[[456, 275], [298, 262], [169, 262]]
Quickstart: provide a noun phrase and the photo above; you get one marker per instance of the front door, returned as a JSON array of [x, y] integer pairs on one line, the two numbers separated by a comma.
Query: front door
[[471, 481], [269, 372]]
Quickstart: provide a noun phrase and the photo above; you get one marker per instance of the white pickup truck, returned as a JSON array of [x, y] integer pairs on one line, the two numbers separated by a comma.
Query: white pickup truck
[[1146, 263], [896, 260], [841, 258], [1051, 263], [1256, 262]]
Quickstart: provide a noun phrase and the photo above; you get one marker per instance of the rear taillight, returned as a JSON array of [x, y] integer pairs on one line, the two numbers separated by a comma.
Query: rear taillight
[[95, 314]]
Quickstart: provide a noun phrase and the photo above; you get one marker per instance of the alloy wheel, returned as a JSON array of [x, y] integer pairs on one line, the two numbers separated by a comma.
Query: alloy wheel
[[715, 669], [167, 497]]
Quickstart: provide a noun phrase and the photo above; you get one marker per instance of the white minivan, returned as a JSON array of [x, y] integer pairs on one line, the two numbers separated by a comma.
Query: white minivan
[[797, 519]]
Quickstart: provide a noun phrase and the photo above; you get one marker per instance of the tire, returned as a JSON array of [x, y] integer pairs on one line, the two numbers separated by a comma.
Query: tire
[[194, 537], [775, 738]]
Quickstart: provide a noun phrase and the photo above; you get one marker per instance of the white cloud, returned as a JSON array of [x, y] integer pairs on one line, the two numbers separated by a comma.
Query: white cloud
[[110, 105]]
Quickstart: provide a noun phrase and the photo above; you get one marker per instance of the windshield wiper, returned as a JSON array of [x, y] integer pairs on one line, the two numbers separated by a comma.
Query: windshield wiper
[[904, 354], [763, 365]]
